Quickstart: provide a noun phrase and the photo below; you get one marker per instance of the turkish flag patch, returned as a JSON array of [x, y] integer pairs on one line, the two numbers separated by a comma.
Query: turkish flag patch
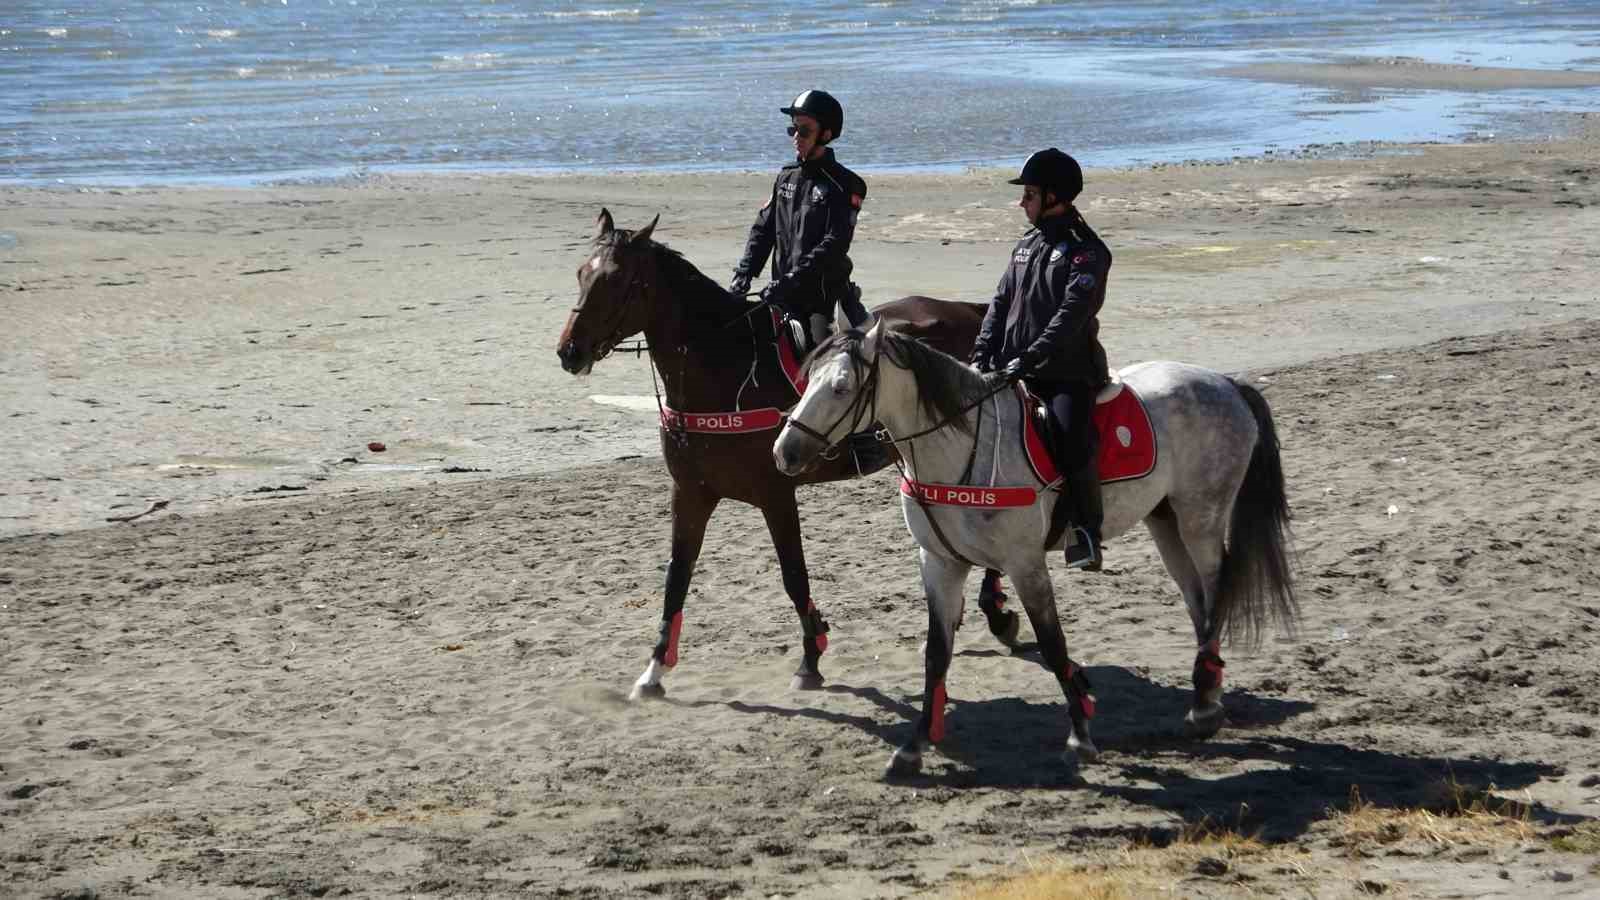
[[855, 201]]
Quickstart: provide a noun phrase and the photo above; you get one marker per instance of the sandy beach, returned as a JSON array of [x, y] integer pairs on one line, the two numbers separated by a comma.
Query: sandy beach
[[307, 667]]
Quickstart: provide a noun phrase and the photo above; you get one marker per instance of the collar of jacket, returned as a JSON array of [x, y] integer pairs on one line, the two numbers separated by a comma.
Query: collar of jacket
[[1058, 228], [811, 165]]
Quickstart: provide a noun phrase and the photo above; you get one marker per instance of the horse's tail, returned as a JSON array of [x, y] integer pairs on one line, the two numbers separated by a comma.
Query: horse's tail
[[1257, 570]]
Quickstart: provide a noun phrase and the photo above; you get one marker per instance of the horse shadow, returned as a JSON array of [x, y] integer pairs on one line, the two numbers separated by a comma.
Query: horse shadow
[[1290, 783]]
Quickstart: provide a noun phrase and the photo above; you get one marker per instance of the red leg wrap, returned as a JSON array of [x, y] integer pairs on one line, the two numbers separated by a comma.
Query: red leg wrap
[[1074, 676], [936, 714], [670, 658], [1210, 657], [820, 634]]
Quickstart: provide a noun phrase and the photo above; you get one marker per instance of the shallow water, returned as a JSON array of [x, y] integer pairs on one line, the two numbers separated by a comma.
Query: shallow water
[[184, 91]]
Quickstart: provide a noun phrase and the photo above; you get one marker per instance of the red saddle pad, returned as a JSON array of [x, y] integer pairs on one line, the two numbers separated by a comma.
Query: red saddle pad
[[1127, 442]]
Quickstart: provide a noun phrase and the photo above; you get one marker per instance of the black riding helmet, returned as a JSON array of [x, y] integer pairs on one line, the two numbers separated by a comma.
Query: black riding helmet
[[821, 106], [1054, 171]]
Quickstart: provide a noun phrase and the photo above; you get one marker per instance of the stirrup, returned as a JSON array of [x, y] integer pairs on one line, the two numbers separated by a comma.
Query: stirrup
[[1084, 552]]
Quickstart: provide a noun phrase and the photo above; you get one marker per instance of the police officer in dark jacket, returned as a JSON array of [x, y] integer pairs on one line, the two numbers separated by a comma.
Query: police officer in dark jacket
[[1043, 326], [807, 223]]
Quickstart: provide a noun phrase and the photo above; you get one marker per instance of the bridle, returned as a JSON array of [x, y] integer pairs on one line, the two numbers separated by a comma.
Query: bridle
[[615, 337], [865, 408]]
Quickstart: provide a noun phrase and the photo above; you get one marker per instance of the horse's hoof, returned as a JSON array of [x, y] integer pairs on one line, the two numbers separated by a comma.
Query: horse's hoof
[[1081, 752], [903, 763], [1010, 626], [1204, 722], [647, 692], [807, 681]]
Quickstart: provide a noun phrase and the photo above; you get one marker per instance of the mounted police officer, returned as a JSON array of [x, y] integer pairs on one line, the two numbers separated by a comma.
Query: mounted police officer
[[807, 223], [1043, 326]]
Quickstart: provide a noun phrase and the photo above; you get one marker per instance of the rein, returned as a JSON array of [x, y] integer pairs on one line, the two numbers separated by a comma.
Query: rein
[[865, 406], [882, 434], [614, 340]]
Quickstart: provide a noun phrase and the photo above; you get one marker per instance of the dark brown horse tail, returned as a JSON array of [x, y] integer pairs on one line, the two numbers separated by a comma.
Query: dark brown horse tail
[[1257, 581]]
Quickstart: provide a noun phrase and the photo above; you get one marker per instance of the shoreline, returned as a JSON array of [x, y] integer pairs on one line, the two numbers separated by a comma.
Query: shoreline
[[1341, 72]]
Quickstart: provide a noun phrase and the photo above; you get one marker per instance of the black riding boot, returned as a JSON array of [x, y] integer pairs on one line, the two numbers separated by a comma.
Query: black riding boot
[[1083, 492]]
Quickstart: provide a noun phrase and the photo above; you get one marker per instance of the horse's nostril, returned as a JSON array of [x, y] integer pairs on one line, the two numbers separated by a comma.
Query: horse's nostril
[[568, 354]]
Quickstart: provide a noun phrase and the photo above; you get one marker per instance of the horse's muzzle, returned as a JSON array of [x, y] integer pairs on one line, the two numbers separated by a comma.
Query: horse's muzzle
[[791, 452], [573, 359]]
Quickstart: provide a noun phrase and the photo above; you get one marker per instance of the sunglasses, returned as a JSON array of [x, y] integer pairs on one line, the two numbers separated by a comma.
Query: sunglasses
[[804, 131]]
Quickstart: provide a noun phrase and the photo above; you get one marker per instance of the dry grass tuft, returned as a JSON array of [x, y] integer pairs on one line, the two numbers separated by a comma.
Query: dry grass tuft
[[1455, 814], [1149, 867], [1211, 836], [1583, 839]]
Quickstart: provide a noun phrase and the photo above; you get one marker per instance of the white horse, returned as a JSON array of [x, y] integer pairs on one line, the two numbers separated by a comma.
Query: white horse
[[1214, 502]]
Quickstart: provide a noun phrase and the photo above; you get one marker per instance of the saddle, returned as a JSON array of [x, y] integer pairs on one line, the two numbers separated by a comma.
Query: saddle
[[1127, 440], [868, 453], [791, 349]]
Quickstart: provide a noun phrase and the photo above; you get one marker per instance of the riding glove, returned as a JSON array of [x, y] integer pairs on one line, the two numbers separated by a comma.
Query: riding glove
[[740, 285], [777, 293], [1016, 369]]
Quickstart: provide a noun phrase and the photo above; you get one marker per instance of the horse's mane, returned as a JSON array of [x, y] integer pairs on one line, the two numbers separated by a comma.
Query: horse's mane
[[685, 279], [946, 387]]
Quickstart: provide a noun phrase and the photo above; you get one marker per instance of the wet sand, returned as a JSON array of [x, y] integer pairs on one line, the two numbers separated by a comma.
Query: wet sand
[[1410, 73]]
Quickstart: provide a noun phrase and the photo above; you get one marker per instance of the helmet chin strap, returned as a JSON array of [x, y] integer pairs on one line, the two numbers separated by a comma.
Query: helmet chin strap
[[817, 147], [1044, 211]]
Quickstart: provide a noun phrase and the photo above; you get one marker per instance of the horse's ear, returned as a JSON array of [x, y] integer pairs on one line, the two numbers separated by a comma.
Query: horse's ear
[[643, 234], [869, 344], [606, 226]]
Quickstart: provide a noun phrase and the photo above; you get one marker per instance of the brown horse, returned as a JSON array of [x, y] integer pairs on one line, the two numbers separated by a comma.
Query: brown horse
[[723, 388]]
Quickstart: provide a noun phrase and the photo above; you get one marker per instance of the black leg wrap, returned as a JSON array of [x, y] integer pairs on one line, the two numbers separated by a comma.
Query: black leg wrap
[[814, 629], [813, 624], [1208, 668]]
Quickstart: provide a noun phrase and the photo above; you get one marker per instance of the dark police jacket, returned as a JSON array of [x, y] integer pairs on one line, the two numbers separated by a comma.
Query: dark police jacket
[[810, 219], [1045, 309]]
